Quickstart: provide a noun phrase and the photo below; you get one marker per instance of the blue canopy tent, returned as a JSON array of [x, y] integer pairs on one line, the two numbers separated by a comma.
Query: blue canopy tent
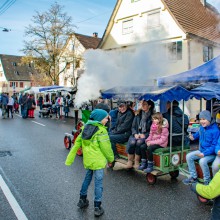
[[170, 94], [208, 72], [208, 90], [124, 92], [49, 88]]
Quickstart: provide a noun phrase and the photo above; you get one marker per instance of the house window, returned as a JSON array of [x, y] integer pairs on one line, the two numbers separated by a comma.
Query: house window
[[13, 84], [16, 73], [153, 20], [21, 85], [14, 64], [207, 53], [127, 26], [175, 50]]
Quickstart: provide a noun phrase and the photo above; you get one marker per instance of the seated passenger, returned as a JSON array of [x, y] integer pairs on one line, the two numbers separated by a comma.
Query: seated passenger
[[140, 131], [177, 123], [208, 135], [102, 105], [216, 163], [122, 130], [158, 138], [113, 116]]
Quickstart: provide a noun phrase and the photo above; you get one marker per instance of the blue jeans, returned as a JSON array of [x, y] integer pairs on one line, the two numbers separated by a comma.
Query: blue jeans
[[203, 162], [98, 183], [215, 165], [24, 111]]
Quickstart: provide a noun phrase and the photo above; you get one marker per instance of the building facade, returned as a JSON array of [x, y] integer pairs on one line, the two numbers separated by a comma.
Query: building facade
[[72, 62], [186, 32], [14, 76]]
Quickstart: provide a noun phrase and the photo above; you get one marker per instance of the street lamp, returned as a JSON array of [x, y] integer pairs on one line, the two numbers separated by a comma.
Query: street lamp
[[5, 29]]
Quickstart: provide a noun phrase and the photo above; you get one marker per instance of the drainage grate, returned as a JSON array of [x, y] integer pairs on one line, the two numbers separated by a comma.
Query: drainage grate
[[5, 153]]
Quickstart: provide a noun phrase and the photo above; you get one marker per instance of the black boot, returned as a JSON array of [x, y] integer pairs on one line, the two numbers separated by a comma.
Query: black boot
[[98, 210], [83, 202]]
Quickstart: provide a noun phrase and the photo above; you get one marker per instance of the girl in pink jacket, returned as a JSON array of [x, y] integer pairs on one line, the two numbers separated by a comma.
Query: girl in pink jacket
[[158, 138]]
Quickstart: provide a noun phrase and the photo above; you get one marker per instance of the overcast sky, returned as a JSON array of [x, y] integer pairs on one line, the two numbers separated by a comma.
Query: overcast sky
[[88, 15]]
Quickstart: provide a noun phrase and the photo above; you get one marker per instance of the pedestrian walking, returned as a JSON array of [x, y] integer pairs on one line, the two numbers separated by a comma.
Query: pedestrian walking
[[4, 101], [10, 106], [23, 103]]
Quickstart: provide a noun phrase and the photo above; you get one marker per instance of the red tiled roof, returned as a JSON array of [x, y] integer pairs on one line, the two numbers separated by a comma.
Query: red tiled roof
[[13, 69], [89, 42], [196, 19]]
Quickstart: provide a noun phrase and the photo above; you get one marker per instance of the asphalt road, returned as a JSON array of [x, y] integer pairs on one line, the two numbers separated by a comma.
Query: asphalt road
[[32, 166]]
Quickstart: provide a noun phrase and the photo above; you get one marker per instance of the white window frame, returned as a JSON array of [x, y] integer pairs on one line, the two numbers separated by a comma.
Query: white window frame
[[127, 26], [153, 20], [207, 53], [175, 50]]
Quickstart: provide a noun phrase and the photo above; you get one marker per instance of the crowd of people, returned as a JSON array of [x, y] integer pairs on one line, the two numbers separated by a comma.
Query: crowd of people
[[144, 131], [27, 104], [8, 105]]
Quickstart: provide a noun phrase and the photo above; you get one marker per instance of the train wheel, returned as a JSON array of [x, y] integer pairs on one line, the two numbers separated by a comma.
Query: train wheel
[[174, 174], [79, 152], [203, 200], [67, 142], [151, 179]]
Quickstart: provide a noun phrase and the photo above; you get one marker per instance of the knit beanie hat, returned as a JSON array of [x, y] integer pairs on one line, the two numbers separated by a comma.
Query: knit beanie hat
[[98, 115], [206, 115]]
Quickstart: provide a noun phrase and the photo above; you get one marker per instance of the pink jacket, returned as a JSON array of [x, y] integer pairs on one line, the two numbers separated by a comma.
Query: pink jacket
[[160, 139]]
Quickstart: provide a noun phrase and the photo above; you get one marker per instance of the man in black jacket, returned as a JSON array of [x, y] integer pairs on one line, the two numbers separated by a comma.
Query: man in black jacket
[[122, 130], [101, 105], [177, 123]]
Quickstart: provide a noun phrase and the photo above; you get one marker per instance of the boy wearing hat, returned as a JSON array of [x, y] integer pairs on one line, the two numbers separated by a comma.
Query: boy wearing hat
[[208, 137], [97, 152]]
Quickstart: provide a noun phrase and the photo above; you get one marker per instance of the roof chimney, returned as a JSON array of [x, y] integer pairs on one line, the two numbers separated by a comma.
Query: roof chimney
[[203, 2], [95, 34]]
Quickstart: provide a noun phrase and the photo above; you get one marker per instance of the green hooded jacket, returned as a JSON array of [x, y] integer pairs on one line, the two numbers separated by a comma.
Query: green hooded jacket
[[212, 190], [96, 146]]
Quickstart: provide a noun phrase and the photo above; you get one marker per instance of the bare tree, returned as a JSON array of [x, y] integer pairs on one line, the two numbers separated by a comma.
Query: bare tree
[[47, 38]]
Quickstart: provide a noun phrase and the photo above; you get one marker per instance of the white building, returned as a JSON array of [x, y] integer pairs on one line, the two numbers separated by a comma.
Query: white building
[[188, 31], [72, 63]]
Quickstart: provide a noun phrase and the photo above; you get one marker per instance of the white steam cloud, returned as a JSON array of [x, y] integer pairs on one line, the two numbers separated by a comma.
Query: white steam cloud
[[130, 67]]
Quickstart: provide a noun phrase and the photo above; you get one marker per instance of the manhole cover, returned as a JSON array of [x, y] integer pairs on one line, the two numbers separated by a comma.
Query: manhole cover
[[5, 153]]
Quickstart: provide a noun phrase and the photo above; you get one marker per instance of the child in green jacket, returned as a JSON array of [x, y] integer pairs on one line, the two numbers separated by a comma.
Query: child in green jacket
[[211, 191], [97, 151]]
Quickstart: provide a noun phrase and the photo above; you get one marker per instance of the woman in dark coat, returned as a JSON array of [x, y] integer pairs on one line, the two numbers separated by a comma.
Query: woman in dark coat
[[140, 131], [31, 106]]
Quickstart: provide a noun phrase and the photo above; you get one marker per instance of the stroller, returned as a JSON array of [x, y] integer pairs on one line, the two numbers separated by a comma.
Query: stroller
[[46, 111]]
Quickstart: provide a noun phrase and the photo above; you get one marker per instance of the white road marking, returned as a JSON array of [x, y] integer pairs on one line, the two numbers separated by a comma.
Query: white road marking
[[12, 201], [38, 123]]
